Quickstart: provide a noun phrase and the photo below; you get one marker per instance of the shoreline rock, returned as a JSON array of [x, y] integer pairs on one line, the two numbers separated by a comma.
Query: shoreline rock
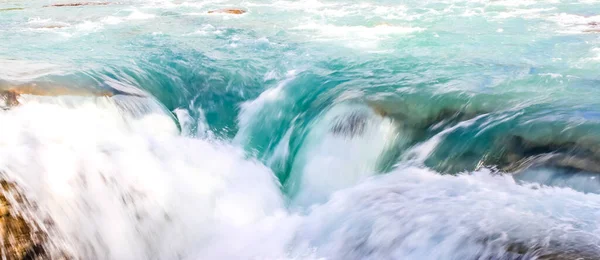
[[12, 9], [227, 11], [22, 238], [77, 4]]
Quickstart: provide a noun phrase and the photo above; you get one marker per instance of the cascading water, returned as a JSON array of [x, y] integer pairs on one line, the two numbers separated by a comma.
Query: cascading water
[[322, 129]]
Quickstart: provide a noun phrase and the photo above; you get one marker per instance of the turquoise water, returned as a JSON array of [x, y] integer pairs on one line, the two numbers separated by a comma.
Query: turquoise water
[[319, 129]]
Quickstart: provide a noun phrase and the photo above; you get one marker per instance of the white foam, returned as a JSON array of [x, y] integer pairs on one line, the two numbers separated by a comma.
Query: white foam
[[134, 15], [121, 187], [417, 214], [129, 187], [414, 213], [517, 3], [89, 26], [38, 20], [566, 19], [356, 36], [185, 121], [251, 110], [302, 5], [329, 161], [374, 32], [112, 20], [206, 29], [202, 127], [137, 15], [574, 24], [193, 127], [526, 13], [552, 75]]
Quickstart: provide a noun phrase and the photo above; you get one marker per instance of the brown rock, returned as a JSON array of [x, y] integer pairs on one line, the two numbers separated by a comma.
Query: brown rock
[[12, 9], [77, 4], [21, 237], [10, 98], [37, 90], [228, 11], [56, 26], [11, 94]]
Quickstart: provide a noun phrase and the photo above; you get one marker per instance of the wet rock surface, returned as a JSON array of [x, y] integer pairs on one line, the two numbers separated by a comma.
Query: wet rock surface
[[350, 125], [10, 94], [26, 233], [77, 4], [228, 11], [519, 153], [22, 238], [12, 9]]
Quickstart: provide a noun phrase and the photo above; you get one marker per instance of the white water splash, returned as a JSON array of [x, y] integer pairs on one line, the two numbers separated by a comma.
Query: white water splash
[[331, 161], [417, 214], [122, 187], [119, 186]]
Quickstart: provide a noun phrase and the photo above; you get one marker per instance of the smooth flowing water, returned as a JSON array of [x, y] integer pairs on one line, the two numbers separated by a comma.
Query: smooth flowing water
[[319, 129]]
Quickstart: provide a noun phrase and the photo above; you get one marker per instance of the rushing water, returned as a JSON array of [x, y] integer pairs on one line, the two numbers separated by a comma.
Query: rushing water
[[434, 129]]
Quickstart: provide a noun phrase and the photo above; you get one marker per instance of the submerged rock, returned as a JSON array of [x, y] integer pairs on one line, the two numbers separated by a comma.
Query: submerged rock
[[56, 25], [594, 27], [53, 26], [12, 9], [444, 116], [506, 152], [561, 160], [519, 153], [78, 4], [554, 250], [350, 125], [228, 11]]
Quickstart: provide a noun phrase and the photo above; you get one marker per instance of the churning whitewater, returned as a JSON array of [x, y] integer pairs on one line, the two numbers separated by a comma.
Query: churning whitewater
[[321, 129]]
